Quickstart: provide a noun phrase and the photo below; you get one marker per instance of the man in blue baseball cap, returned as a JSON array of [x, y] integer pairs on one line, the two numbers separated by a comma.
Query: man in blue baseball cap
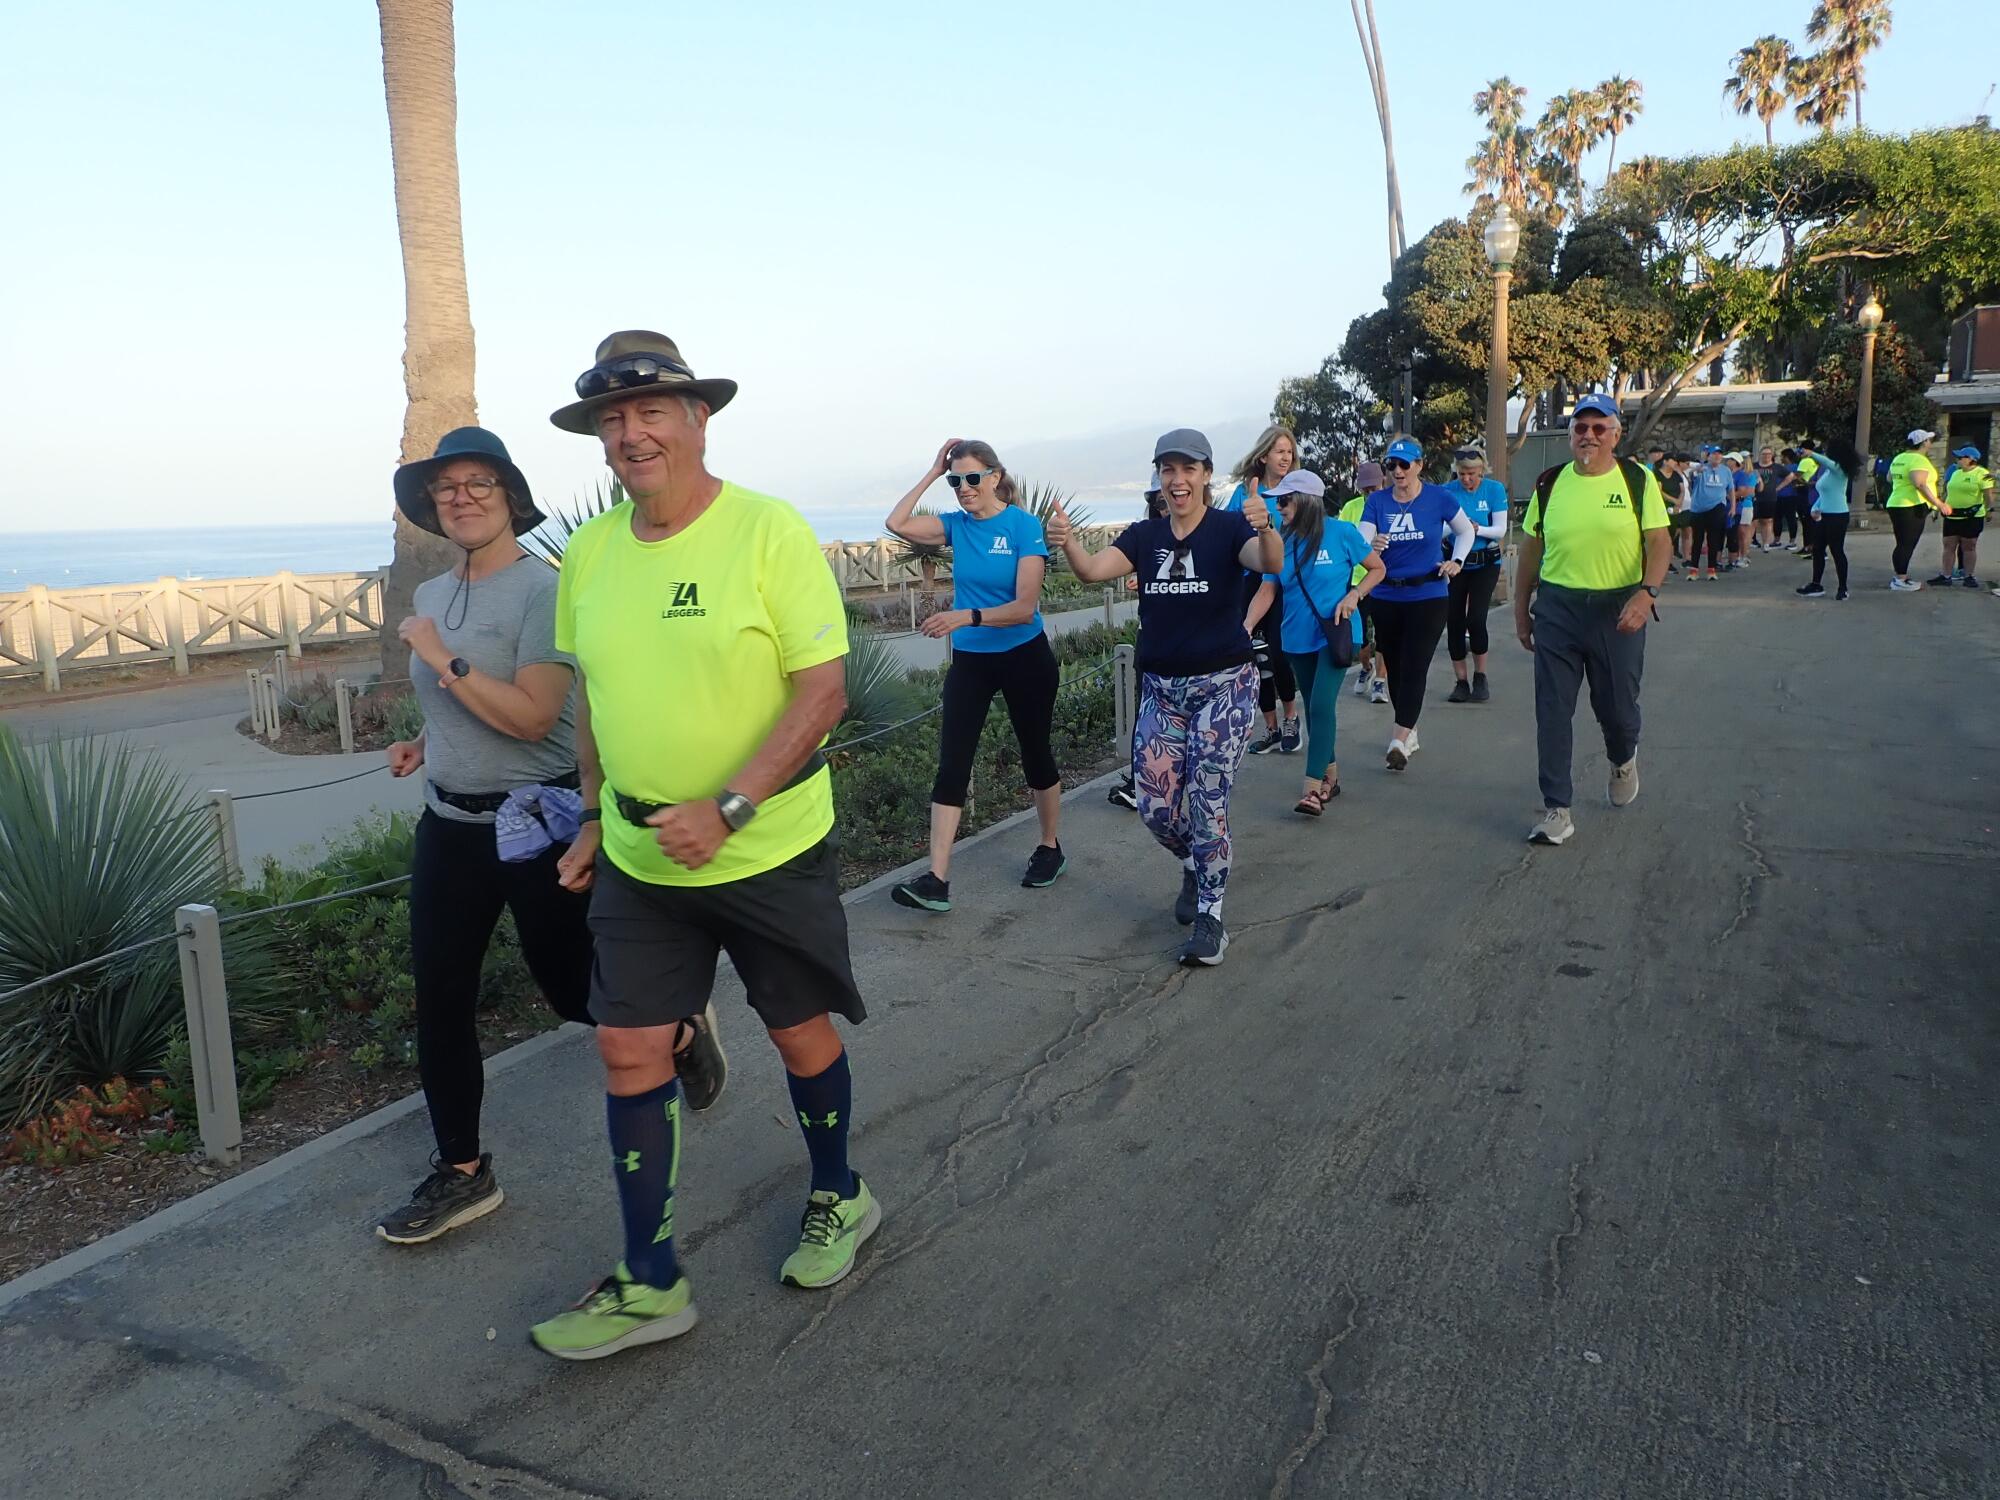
[[1591, 564]]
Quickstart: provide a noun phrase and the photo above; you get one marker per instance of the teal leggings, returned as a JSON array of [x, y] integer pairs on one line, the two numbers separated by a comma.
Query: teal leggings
[[1319, 685]]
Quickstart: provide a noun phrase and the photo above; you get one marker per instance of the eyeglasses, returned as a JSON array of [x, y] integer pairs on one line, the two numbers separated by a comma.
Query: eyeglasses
[[479, 488], [633, 372], [1397, 464], [1179, 571], [972, 479], [1590, 429]]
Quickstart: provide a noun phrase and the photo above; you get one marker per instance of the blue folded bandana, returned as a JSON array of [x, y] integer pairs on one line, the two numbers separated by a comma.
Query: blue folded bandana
[[535, 818]]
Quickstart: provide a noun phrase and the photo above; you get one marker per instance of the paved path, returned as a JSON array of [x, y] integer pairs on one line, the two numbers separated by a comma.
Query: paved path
[[1664, 1164]]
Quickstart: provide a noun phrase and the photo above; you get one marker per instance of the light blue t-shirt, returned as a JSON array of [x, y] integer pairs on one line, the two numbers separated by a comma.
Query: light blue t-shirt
[[1318, 583], [984, 557], [1481, 506], [1743, 494], [1830, 488], [1709, 487]]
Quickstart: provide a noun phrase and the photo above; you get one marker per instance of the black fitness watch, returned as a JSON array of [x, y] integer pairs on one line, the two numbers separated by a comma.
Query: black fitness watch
[[590, 815], [460, 667], [979, 617], [1651, 588]]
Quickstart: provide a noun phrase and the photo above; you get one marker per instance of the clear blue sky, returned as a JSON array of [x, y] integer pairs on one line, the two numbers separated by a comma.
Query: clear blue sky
[[891, 223]]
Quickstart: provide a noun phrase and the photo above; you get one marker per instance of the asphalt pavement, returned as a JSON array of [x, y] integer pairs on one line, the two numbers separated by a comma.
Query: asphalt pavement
[[1662, 1164]]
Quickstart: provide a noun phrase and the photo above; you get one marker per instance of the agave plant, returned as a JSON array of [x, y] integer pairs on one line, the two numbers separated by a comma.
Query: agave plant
[[548, 540], [99, 843], [879, 690]]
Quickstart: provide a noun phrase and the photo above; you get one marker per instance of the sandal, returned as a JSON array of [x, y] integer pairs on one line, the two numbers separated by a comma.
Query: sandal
[[1312, 804], [1328, 790]]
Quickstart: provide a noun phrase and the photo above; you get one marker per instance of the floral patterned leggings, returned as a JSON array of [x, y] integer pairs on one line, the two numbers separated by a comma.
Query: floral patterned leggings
[[1186, 747]]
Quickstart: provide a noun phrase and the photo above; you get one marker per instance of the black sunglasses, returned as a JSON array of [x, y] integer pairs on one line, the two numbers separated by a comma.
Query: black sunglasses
[[1179, 571], [955, 480], [633, 372], [1397, 463]]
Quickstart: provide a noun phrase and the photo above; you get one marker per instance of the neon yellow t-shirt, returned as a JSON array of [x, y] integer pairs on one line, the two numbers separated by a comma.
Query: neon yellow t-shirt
[[1902, 488], [1967, 491], [1351, 513], [1595, 543], [686, 646]]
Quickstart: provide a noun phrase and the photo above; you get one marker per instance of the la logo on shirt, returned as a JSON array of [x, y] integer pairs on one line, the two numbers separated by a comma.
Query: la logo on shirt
[[1001, 546], [683, 602], [1403, 524], [1324, 557]]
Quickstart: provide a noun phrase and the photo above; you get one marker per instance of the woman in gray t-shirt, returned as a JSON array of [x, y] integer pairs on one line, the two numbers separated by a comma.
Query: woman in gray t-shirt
[[499, 707]]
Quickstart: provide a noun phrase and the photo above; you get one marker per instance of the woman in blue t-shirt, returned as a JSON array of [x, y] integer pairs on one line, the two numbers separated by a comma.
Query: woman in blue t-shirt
[[1426, 538], [1839, 464], [1275, 454], [1321, 600], [1484, 500], [998, 558], [1197, 678]]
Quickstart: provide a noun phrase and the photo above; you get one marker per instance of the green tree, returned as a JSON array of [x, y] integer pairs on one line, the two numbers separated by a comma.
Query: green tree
[[1760, 85], [1831, 403], [1620, 100], [1848, 30], [1337, 421]]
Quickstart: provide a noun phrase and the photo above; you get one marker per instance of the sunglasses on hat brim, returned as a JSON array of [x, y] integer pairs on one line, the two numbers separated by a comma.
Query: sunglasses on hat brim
[[634, 372]]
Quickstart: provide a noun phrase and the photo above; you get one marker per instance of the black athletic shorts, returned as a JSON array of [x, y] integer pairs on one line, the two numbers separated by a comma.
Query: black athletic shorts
[[784, 930], [1965, 526], [1770, 510]]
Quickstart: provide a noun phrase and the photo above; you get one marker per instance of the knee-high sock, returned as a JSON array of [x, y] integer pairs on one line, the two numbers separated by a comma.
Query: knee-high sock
[[645, 1134], [824, 1103]]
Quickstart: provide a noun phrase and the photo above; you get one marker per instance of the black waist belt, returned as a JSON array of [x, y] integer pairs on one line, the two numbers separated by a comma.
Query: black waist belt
[[486, 802], [635, 812], [1482, 557], [1412, 580]]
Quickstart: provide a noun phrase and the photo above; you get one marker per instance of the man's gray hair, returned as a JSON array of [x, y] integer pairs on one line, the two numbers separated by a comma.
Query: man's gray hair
[[695, 408]]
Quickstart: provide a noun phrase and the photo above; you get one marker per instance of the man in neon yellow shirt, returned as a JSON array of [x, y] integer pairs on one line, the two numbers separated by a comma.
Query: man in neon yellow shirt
[[1592, 558], [1967, 492], [711, 640], [1913, 495], [1368, 680]]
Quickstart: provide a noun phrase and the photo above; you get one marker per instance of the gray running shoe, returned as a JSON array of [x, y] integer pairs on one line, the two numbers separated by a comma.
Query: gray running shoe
[[1625, 782], [443, 1201], [1555, 827], [1288, 743], [1207, 943], [699, 1060]]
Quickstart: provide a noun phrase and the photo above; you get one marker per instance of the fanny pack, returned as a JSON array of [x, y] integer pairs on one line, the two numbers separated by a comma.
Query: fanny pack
[[492, 802], [1482, 557], [635, 811]]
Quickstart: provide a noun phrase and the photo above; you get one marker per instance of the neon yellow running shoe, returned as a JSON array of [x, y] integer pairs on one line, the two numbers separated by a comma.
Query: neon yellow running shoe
[[619, 1313], [829, 1234]]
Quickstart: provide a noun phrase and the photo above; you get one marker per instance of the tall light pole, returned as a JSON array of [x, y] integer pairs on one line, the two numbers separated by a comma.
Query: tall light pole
[[1503, 240], [1869, 319]]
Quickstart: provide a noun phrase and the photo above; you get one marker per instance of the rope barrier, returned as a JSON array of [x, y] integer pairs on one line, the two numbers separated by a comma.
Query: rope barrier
[[87, 965], [272, 911], [286, 791]]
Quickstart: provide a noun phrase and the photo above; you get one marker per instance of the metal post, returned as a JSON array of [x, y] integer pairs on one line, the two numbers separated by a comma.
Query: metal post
[[173, 624], [256, 702], [1124, 693], [1863, 420], [1496, 380], [222, 808], [343, 700], [209, 1044], [42, 626], [274, 726]]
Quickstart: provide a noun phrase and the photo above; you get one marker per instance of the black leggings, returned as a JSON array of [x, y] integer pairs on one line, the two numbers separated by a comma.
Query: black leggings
[[1706, 526], [458, 884], [1829, 534], [1470, 598], [1908, 522], [1027, 677], [1406, 633], [1275, 680]]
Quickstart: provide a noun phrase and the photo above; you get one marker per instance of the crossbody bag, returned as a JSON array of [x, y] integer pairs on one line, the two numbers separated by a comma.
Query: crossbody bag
[[1339, 641]]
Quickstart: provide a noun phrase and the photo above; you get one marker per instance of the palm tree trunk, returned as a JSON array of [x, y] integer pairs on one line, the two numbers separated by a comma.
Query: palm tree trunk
[[1611, 161], [1769, 143], [418, 79]]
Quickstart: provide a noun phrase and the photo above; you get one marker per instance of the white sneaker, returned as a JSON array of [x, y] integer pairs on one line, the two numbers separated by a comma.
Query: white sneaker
[[1904, 585], [1555, 827], [1625, 782], [1400, 752], [1361, 678], [1378, 691]]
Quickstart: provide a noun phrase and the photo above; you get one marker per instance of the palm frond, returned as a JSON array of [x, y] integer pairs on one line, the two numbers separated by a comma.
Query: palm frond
[[548, 540]]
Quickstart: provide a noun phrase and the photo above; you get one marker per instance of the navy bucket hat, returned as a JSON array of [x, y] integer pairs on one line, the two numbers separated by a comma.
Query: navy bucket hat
[[412, 480]]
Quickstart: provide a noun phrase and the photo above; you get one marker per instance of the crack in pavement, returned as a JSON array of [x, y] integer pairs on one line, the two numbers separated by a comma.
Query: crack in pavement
[[472, 1477], [1761, 871], [1576, 1192], [1289, 1466]]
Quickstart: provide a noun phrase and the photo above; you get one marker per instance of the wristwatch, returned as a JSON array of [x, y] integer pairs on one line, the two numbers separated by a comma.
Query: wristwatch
[[1651, 588], [979, 617], [737, 810], [590, 815], [460, 667]]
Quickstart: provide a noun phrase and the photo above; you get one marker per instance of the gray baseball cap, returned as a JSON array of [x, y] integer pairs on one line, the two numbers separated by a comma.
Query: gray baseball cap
[[1184, 442], [1299, 482]]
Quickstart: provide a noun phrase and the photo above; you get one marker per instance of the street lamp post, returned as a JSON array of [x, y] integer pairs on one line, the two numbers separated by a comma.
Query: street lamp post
[[1869, 320], [1503, 240]]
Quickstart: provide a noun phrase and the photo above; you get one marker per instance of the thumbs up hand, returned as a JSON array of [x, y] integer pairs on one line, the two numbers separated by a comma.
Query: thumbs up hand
[[1059, 530], [1256, 512]]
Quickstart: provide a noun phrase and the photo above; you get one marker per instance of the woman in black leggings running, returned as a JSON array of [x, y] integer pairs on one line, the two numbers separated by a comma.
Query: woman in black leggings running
[[998, 559], [1485, 503]]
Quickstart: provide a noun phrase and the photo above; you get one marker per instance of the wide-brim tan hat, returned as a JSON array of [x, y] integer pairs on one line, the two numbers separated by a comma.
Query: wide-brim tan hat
[[630, 363]]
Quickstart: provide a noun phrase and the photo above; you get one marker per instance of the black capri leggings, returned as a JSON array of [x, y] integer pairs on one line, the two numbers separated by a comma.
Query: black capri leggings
[[1406, 633], [1707, 526], [1908, 522], [1275, 680], [1471, 597], [1027, 677], [458, 885]]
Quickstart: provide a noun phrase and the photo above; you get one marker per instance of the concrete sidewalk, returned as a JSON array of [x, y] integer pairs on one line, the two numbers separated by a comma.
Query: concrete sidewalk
[[1662, 1164]]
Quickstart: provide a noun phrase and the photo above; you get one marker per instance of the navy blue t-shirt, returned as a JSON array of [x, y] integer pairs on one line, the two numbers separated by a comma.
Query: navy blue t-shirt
[[1190, 593], [1419, 535]]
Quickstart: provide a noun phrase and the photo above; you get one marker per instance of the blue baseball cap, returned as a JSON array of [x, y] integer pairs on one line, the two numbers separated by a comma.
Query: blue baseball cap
[[1406, 448], [1710, 448], [1966, 452], [1600, 403]]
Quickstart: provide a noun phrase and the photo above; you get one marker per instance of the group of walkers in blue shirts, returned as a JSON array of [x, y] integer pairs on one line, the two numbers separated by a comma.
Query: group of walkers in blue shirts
[[1790, 500], [1252, 607]]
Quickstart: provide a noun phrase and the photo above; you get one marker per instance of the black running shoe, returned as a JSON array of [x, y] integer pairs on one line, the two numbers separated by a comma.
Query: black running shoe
[[1189, 901], [1840, 596], [1480, 691], [1288, 736], [443, 1201], [1969, 582], [1125, 794], [1271, 741], [1461, 692], [925, 893], [699, 1060], [1811, 591], [1044, 865], [1942, 581], [1207, 943]]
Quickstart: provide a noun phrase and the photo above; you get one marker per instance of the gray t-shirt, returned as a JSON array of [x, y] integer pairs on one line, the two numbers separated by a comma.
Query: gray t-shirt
[[510, 623]]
